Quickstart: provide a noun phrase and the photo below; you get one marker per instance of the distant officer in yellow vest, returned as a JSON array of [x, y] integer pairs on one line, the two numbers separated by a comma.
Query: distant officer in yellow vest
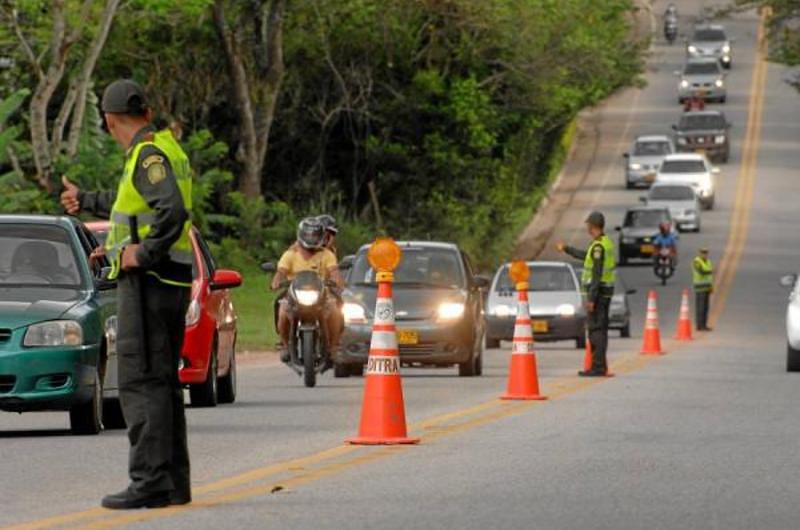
[[703, 281], [153, 267], [598, 278]]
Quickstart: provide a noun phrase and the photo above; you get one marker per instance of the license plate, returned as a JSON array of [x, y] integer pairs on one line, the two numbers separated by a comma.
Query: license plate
[[540, 326], [650, 177], [407, 337], [647, 249], [701, 140]]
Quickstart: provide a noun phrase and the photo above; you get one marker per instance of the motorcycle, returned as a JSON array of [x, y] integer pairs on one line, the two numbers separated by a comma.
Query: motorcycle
[[670, 30], [308, 345], [664, 266]]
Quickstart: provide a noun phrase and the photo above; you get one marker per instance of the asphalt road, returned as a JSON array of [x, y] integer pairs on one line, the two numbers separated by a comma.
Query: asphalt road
[[703, 437]]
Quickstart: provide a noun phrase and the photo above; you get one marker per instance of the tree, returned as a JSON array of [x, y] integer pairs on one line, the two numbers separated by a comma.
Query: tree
[[255, 65]]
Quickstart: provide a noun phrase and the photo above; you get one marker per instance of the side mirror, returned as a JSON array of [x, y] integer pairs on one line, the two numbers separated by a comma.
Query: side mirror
[[789, 280], [715, 170], [347, 262], [482, 282], [225, 279], [643, 199], [268, 266], [674, 127], [618, 228], [626, 155]]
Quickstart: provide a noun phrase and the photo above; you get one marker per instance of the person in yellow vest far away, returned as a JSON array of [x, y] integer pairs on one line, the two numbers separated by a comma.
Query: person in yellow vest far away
[[703, 282], [598, 278], [149, 250]]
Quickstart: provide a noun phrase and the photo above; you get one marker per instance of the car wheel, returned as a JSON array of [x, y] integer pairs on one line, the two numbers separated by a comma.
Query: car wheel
[[357, 370], [491, 343], [629, 185], [112, 414], [580, 342], [206, 394], [227, 383], [625, 331], [87, 417], [341, 370], [470, 368], [723, 99], [792, 359]]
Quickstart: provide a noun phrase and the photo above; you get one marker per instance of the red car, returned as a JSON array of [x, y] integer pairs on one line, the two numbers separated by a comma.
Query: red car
[[208, 360]]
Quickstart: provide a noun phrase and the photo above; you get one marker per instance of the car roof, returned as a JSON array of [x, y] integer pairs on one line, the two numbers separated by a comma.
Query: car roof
[[420, 244], [653, 138], [684, 156], [60, 220]]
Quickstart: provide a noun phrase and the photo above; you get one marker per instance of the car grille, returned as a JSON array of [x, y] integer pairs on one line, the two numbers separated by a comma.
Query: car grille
[[700, 140], [7, 383], [418, 349], [5, 335], [702, 85]]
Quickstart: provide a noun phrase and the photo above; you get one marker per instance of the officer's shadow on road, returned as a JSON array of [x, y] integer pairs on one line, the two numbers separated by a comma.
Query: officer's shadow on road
[[31, 433]]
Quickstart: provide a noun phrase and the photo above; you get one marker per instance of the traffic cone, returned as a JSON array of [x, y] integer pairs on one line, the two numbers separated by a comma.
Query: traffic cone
[[383, 417], [652, 336], [523, 378], [587, 359], [684, 321]]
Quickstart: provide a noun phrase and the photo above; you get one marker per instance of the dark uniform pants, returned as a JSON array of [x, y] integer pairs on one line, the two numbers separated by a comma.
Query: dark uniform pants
[[597, 324], [701, 303], [152, 401]]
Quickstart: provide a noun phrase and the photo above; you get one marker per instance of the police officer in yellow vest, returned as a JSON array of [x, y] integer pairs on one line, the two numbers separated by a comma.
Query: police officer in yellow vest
[[599, 276], [703, 281], [153, 268]]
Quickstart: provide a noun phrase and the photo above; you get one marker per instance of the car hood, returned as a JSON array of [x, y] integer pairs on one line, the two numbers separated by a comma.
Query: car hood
[[690, 178], [700, 132], [539, 302], [410, 303], [702, 78], [24, 306], [674, 206]]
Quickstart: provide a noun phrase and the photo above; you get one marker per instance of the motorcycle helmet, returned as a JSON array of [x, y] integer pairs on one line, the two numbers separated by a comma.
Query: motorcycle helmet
[[310, 233], [328, 223]]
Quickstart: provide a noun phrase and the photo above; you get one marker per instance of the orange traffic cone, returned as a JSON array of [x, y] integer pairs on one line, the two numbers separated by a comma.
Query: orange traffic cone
[[587, 359], [684, 321], [652, 336], [383, 417], [523, 378]]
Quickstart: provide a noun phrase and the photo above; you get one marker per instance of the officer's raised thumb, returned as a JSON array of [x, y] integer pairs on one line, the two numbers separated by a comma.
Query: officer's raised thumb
[[66, 183]]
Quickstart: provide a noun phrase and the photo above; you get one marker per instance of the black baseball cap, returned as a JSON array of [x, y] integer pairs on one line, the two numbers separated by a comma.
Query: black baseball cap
[[596, 219], [124, 96]]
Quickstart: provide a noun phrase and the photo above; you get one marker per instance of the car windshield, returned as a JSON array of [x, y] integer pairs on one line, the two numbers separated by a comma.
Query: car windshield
[[709, 35], [701, 68], [34, 255], [645, 218], [419, 266], [702, 121], [652, 149], [683, 166], [542, 278], [671, 193]]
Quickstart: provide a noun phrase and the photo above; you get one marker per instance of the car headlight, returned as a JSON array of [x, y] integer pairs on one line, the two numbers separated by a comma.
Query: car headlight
[[54, 333], [354, 313], [628, 240], [306, 296], [684, 83], [690, 213], [450, 310], [719, 139], [635, 166], [682, 141], [566, 310], [692, 49], [193, 313], [726, 49], [720, 83], [503, 310]]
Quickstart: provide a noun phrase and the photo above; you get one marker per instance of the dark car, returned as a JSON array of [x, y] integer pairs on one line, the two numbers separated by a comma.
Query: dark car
[[639, 228], [438, 304], [57, 323], [619, 312], [704, 131]]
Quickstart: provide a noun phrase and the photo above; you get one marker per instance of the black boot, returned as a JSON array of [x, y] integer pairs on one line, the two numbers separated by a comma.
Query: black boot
[[591, 373], [130, 500], [180, 497]]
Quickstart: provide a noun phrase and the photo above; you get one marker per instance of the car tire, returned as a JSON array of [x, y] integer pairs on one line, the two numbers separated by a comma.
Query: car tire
[[206, 394], [87, 417], [629, 185], [792, 359], [228, 383], [625, 331], [112, 414], [580, 342], [491, 343], [723, 99], [341, 370], [471, 368], [357, 370]]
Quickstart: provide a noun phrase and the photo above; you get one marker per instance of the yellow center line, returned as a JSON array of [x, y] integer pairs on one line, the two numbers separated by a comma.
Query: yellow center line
[[329, 462]]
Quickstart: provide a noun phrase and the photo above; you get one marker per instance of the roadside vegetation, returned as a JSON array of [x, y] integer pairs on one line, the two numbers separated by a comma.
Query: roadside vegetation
[[441, 119]]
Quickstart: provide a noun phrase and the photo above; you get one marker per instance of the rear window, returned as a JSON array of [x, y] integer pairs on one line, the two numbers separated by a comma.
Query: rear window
[[645, 218], [701, 68], [709, 35], [37, 256], [702, 121], [542, 278], [652, 149], [683, 166], [419, 266], [671, 193]]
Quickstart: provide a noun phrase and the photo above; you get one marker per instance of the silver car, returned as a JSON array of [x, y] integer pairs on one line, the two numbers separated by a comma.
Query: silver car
[[710, 40], [702, 78], [792, 323], [555, 300], [644, 159], [681, 201]]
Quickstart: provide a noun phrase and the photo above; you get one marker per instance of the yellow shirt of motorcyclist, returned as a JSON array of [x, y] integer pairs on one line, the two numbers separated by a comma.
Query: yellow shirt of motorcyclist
[[293, 262]]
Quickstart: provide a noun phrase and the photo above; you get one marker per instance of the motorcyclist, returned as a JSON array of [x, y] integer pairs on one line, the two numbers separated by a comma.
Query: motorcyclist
[[671, 22], [666, 238], [671, 13], [308, 254], [694, 102], [329, 225]]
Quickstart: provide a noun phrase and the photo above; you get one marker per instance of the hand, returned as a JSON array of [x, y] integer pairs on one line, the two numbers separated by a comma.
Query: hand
[[69, 197], [560, 246], [590, 307], [129, 260], [96, 255]]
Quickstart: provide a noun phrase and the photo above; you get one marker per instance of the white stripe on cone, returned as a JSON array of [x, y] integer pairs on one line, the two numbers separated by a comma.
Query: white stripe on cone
[[383, 340]]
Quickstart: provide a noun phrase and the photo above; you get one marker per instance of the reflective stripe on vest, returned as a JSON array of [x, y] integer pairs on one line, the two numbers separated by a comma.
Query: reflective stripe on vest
[[130, 203], [702, 273], [609, 277]]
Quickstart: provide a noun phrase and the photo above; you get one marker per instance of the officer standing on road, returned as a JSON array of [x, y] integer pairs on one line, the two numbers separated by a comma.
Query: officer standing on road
[[598, 278], [703, 281], [154, 272]]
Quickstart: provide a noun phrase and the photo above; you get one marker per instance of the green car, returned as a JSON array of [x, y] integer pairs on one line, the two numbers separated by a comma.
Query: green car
[[57, 323]]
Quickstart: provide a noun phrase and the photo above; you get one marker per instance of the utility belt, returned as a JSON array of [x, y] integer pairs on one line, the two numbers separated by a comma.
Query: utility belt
[[606, 290], [169, 272], [702, 287]]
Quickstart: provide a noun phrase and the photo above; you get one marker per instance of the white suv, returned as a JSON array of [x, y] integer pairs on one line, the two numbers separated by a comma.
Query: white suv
[[690, 168], [792, 323]]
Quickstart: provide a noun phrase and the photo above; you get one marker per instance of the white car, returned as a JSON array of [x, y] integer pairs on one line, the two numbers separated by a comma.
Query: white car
[[691, 168], [681, 201], [792, 324]]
